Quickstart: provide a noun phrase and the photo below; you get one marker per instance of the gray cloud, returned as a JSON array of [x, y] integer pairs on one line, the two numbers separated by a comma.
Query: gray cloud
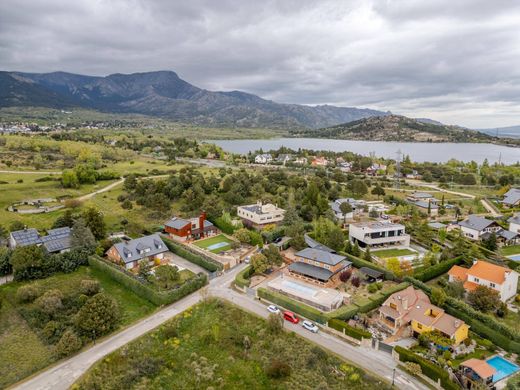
[[454, 61]]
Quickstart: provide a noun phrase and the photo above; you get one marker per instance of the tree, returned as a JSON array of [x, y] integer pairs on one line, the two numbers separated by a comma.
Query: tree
[[27, 262], [5, 265], [356, 282], [345, 208], [367, 256], [484, 298], [490, 242], [379, 191], [259, 263], [344, 276], [438, 296], [95, 222], [51, 302], [81, 236], [358, 187], [166, 276], [15, 226], [273, 255], [89, 287], [274, 323], [69, 343], [98, 316], [393, 265], [69, 179], [145, 269], [243, 236], [65, 220], [455, 289], [355, 249]]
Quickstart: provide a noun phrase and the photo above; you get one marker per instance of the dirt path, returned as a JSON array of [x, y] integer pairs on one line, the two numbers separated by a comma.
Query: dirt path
[[33, 172]]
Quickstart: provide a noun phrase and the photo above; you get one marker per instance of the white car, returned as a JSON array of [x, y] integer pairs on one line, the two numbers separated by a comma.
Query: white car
[[273, 309], [310, 326]]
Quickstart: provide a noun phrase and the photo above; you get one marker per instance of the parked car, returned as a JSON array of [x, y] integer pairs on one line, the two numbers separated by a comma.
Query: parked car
[[273, 309], [247, 260], [291, 317], [278, 239], [310, 326]]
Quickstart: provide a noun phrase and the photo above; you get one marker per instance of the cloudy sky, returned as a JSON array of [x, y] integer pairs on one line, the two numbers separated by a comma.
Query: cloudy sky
[[454, 61]]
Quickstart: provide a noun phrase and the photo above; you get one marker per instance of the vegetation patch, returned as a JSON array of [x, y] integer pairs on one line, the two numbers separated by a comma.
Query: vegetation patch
[[384, 253]]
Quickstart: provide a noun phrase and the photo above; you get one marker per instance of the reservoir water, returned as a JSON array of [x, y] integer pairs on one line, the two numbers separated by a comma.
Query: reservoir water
[[420, 152]]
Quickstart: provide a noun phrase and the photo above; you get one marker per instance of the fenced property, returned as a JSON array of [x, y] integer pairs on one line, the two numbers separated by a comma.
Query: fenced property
[[216, 244]]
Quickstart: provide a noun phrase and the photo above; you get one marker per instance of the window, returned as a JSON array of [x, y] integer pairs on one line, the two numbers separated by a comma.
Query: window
[[492, 285], [419, 326], [477, 280]]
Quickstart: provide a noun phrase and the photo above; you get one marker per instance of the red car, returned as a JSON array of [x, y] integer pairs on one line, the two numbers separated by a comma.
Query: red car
[[291, 317]]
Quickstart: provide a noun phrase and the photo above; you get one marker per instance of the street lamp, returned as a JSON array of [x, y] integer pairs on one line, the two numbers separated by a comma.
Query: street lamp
[[393, 378]]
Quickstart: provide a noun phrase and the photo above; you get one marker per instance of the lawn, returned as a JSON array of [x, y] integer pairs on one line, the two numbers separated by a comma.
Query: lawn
[[217, 345], [510, 250], [215, 244], [386, 253], [24, 349]]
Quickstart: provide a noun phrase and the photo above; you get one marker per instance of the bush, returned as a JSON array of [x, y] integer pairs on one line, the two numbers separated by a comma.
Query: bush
[[342, 326], [204, 261], [27, 294], [98, 316], [89, 287], [69, 343], [437, 269], [51, 302], [278, 369], [243, 277], [359, 262]]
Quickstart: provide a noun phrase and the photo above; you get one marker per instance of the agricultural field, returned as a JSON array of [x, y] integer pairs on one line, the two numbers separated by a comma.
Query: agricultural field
[[217, 345], [25, 348], [215, 244]]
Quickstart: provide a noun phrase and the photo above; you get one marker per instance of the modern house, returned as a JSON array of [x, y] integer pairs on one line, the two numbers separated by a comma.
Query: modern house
[[260, 215], [320, 162], [478, 371], [514, 223], [190, 229], [56, 241], [501, 279], [265, 158], [474, 226], [378, 234], [512, 198], [427, 206], [411, 307], [130, 253], [318, 266]]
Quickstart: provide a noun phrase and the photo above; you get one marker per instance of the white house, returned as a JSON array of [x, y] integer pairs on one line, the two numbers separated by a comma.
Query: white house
[[263, 158], [474, 227], [380, 233], [258, 215], [354, 203], [514, 223], [501, 279]]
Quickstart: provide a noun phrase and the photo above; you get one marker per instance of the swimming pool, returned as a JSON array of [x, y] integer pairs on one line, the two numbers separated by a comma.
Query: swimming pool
[[217, 245], [515, 257], [299, 287], [504, 367]]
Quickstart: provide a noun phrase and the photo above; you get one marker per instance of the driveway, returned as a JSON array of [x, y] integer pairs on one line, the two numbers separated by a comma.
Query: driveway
[[177, 260]]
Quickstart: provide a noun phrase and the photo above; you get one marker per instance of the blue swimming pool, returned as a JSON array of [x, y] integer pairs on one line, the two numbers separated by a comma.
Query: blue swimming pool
[[504, 367], [299, 287], [217, 245], [515, 257]]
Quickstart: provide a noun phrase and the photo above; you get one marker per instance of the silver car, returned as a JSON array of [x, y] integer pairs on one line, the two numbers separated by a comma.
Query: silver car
[[273, 309], [310, 326]]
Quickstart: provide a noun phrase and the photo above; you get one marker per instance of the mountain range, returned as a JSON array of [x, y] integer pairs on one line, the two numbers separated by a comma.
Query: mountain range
[[165, 94]]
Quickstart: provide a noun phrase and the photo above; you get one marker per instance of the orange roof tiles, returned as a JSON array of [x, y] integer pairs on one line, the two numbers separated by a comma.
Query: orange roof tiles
[[458, 272], [480, 367], [470, 286], [487, 271]]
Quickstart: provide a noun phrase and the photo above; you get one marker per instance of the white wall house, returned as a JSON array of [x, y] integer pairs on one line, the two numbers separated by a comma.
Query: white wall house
[[514, 223], [482, 273], [263, 158], [380, 233], [259, 214], [474, 227]]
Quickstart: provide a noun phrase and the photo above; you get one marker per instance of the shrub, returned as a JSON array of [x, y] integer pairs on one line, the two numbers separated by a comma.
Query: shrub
[[243, 277], [372, 288], [359, 262], [345, 275], [342, 326], [355, 281], [274, 323], [27, 294], [437, 269], [89, 287], [51, 301], [278, 369], [51, 331], [69, 343], [98, 316]]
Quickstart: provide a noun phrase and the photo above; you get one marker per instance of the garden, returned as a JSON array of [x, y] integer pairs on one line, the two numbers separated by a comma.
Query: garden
[[217, 345], [216, 244]]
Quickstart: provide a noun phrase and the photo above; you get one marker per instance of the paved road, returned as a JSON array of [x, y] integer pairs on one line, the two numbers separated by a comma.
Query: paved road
[[63, 375]]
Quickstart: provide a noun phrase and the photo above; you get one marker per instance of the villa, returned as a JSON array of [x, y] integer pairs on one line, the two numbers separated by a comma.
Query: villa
[[190, 229], [260, 215], [130, 253], [421, 196], [378, 234], [411, 307], [501, 279]]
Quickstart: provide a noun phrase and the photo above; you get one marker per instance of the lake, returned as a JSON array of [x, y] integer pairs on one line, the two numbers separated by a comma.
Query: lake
[[420, 152]]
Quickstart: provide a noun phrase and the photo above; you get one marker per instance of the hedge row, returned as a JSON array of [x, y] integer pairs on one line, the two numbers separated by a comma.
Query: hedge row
[[189, 254], [290, 304], [359, 262], [243, 277], [133, 284], [428, 368], [438, 269], [224, 226], [342, 326]]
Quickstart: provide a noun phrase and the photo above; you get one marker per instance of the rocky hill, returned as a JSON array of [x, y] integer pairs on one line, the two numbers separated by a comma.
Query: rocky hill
[[164, 94], [396, 128]]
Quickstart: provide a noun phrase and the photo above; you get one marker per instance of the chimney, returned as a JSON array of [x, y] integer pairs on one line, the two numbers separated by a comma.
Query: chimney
[[405, 303], [202, 218]]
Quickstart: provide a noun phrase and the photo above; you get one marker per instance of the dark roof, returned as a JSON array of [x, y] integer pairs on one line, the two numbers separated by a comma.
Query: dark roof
[[59, 232], [512, 196], [57, 244], [477, 223], [424, 204], [316, 245], [506, 234], [177, 223], [437, 225], [371, 272], [311, 271], [514, 219], [136, 249], [320, 255], [26, 237]]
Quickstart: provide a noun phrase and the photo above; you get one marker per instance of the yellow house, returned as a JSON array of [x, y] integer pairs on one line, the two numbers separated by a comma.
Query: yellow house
[[411, 306]]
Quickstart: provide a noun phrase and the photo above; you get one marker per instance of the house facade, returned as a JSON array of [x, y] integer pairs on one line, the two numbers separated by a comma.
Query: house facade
[[514, 223], [320, 162], [318, 266], [474, 227], [265, 158], [482, 273], [411, 307], [190, 229], [356, 205], [260, 215], [378, 234], [130, 253]]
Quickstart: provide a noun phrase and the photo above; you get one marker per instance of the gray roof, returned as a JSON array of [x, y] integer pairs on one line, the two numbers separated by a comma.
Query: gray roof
[[437, 225], [311, 270], [353, 202], [424, 204], [57, 244], [320, 255], [506, 234], [135, 249], [316, 245], [420, 195], [177, 223], [371, 272], [26, 237], [512, 196], [477, 223], [514, 219]]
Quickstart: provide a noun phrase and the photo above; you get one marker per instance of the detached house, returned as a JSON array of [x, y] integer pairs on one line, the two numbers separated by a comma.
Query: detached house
[[514, 223], [501, 279], [190, 229], [474, 227], [130, 253], [263, 158], [381, 233], [512, 198], [260, 215], [354, 203], [320, 162], [411, 307]]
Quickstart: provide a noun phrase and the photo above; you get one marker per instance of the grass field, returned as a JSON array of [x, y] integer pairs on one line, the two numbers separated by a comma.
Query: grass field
[[386, 253], [23, 350], [217, 345], [207, 243], [510, 250]]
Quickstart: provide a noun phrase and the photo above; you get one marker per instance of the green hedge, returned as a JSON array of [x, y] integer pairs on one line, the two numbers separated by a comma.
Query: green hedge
[[243, 277], [133, 284], [428, 368], [345, 312], [290, 304], [359, 262], [224, 225], [342, 326], [438, 269], [205, 262]]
